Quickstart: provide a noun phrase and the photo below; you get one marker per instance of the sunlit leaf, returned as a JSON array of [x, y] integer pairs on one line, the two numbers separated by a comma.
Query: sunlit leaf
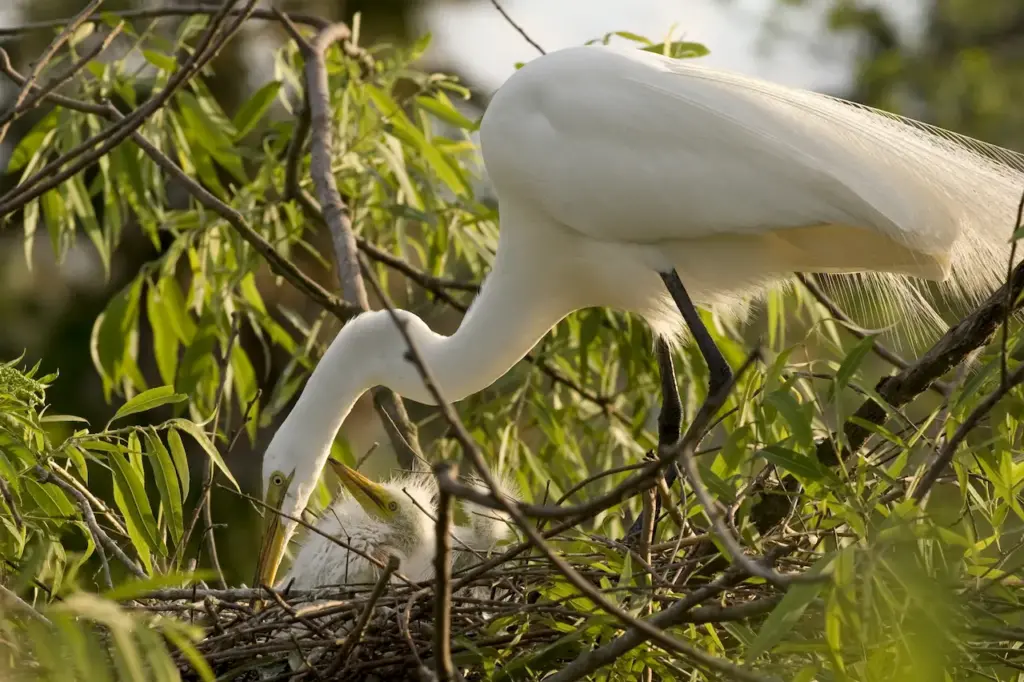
[[149, 400]]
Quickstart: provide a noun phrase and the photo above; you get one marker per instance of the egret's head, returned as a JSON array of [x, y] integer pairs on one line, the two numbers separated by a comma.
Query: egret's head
[[289, 478], [401, 505], [368, 351]]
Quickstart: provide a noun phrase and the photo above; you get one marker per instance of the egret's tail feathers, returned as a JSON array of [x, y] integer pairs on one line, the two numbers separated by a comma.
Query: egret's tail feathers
[[934, 190]]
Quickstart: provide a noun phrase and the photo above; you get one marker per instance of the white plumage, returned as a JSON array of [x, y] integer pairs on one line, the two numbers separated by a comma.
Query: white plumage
[[320, 561], [615, 168], [408, 532]]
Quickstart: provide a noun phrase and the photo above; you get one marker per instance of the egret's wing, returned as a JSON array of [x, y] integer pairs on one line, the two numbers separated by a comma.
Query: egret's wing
[[634, 147]]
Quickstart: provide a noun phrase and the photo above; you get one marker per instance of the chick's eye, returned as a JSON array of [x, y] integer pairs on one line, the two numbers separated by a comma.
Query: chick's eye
[[277, 479], [393, 506]]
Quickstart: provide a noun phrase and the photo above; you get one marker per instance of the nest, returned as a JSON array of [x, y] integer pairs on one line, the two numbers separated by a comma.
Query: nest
[[386, 631]]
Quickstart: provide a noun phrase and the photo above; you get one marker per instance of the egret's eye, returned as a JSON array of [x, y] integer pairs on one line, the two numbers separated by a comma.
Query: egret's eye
[[393, 506], [277, 479]]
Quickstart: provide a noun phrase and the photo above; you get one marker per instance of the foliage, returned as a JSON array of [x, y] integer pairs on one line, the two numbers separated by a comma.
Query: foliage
[[204, 342]]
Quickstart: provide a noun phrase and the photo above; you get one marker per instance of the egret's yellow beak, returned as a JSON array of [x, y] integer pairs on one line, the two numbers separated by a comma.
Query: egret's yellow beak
[[373, 497], [273, 539]]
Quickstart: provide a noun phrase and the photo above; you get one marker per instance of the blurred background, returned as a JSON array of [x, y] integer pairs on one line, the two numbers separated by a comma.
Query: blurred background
[[958, 64]]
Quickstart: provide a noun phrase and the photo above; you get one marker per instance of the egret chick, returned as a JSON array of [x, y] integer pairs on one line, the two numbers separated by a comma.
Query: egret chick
[[487, 528], [378, 519]]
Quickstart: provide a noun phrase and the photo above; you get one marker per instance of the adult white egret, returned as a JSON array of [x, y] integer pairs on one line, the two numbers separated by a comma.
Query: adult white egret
[[396, 517], [621, 174]]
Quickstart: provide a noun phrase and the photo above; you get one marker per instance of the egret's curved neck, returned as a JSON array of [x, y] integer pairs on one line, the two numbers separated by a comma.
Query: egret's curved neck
[[520, 301], [512, 313]]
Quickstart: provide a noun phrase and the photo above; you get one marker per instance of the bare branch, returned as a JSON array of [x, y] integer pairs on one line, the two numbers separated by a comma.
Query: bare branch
[[945, 455], [443, 579], [517, 27], [101, 539], [44, 59]]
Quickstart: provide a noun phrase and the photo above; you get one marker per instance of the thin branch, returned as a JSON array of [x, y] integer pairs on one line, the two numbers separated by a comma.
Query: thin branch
[[5, 492], [14, 602], [364, 617], [40, 93], [166, 12], [100, 538], [731, 544], [443, 579], [1009, 302], [278, 263], [209, 473], [400, 428], [517, 27], [45, 58], [590, 661], [974, 331], [101, 144], [663, 639], [948, 450]]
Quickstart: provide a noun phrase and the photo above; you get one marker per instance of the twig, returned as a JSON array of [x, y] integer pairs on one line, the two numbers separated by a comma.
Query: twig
[[209, 473], [40, 92], [443, 578], [45, 58], [278, 264], [631, 486], [732, 545], [100, 538], [166, 12], [591, 661], [517, 27], [364, 617], [579, 582], [974, 331], [1009, 302], [335, 214], [102, 143], [19, 604], [948, 450], [5, 492]]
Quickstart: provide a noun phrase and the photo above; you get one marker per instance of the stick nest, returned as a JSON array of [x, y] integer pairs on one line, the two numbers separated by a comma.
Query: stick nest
[[499, 616]]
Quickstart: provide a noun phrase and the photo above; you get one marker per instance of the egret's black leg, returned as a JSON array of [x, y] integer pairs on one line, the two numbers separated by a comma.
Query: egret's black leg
[[670, 421], [719, 372]]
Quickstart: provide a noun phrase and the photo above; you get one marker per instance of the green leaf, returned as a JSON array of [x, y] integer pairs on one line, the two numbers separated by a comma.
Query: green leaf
[[174, 631], [148, 400], [167, 483], [853, 360], [446, 112], [131, 499], [160, 60], [254, 109], [114, 339], [165, 341], [180, 460], [133, 588], [806, 466], [788, 612], [679, 49], [795, 414], [50, 499], [192, 429]]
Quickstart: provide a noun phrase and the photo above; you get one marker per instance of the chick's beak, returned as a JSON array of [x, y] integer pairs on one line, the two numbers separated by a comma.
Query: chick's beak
[[371, 496]]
